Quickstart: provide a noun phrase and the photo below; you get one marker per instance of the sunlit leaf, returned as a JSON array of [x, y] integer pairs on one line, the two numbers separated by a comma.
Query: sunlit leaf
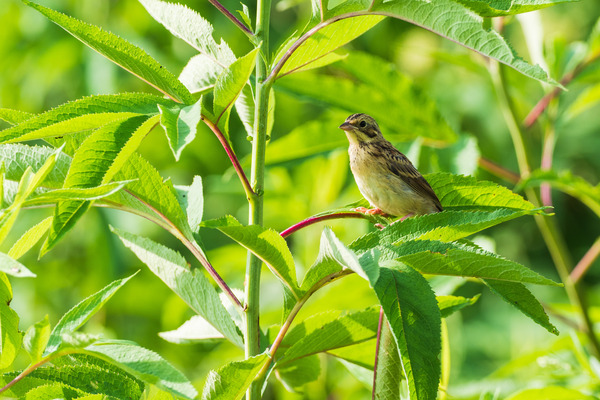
[[231, 380], [81, 313], [194, 330], [497, 8], [450, 304], [84, 114], [29, 239], [145, 365], [267, 244], [389, 368], [18, 157], [10, 337], [36, 338], [180, 124], [191, 285], [121, 52]]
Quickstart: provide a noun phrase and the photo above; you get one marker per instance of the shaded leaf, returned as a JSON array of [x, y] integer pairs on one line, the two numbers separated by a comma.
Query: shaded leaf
[[121, 52], [410, 306], [517, 294], [389, 368], [296, 374], [191, 199], [18, 157]]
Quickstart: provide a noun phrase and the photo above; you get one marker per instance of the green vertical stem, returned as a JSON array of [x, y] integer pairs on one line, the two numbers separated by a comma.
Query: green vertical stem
[[550, 232], [257, 178]]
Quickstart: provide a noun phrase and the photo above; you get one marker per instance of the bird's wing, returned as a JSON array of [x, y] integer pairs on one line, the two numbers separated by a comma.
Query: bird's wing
[[401, 166]]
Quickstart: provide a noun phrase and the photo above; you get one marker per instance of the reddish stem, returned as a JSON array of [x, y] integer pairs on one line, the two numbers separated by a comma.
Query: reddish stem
[[586, 262], [231, 17], [541, 105], [499, 170], [314, 220], [234, 160]]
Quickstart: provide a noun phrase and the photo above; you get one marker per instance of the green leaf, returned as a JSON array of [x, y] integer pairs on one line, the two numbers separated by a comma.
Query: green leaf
[[10, 337], [266, 244], [191, 285], [180, 124], [497, 8], [145, 365], [18, 157], [84, 114], [411, 308], [14, 117], [121, 52], [231, 380], [194, 330], [517, 294], [366, 266], [14, 268], [446, 226], [191, 199], [200, 74], [329, 330], [81, 313], [585, 101], [296, 374], [325, 40], [188, 25], [29, 239], [450, 304], [36, 338], [87, 194], [568, 183], [150, 196], [389, 368], [230, 83], [457, 23], [96, 162], [438, 258], [458, 191]]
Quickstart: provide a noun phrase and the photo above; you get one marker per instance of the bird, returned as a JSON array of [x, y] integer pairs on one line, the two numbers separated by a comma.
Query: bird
[[385, 176]]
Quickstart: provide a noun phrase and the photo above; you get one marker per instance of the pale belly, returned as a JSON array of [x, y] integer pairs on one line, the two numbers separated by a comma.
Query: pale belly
[[387, 191]]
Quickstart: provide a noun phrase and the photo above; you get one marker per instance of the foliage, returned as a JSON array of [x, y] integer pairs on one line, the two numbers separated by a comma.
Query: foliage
[[92, 154]]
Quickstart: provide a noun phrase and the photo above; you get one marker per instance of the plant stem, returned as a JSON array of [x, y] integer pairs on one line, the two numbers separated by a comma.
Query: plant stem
[[290, 318], [231, 17], [586, 262], [259, 143], [499, 170], [234, 160], [314, 220], [550, 232]]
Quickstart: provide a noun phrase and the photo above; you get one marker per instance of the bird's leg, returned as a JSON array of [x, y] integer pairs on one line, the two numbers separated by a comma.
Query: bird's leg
[[370, 211]]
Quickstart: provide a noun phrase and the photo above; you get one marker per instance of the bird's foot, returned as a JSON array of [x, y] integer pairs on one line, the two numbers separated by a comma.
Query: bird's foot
[[370, 211]]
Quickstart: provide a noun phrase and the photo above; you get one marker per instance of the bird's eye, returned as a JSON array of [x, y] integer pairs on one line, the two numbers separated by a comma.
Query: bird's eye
[[363, 124]]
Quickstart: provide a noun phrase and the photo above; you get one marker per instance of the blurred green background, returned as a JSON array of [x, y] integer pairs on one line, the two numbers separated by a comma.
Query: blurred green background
[[41, 66]]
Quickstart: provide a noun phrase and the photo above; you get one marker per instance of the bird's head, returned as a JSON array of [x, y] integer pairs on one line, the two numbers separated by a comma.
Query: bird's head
[[361, 128]]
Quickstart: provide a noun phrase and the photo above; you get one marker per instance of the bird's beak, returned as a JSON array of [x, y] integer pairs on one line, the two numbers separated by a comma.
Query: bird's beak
[[346, 126]]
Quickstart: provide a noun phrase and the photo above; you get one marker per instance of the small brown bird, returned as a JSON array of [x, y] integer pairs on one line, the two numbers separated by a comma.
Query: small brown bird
[[385, 177]]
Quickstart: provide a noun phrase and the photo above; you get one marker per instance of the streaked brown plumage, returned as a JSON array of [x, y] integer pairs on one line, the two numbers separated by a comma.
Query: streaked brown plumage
[[385, 177]]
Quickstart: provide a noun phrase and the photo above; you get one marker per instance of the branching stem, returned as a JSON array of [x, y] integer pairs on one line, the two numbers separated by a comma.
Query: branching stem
[[232, 17], [320, 218]]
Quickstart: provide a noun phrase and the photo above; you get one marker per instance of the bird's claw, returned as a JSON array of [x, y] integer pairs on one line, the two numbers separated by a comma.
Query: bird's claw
[[370, 211]]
